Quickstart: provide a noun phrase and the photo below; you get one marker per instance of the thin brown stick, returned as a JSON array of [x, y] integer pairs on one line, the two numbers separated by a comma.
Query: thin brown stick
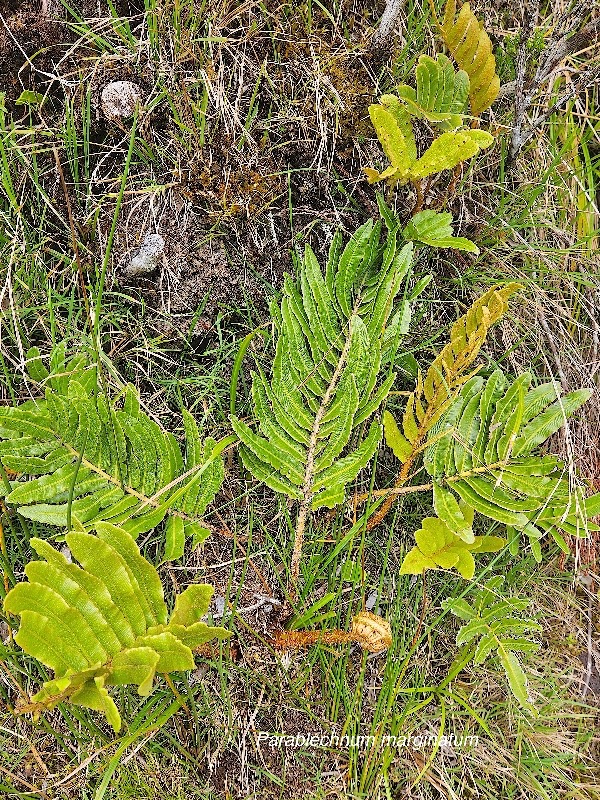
[[74, 242]]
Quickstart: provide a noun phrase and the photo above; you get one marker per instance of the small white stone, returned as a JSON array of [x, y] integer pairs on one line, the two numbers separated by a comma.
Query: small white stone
[[219, 603], [119, 99], [144, 259]]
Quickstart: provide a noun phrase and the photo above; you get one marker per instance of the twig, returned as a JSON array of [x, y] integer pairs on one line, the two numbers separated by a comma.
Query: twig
[[522, 101], [307, 490], [387, 22], [586, 79], [571, 41]]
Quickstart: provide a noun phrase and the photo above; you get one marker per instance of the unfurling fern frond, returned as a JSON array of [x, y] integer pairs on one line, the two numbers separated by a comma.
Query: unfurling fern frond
[[441, 93], [85, 460], [104, 623], [439, 547], [335, 332], [498, 626], [471, 48]]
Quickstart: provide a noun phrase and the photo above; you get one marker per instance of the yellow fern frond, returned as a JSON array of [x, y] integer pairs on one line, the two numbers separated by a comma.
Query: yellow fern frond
[[450, 370], [471, 47]]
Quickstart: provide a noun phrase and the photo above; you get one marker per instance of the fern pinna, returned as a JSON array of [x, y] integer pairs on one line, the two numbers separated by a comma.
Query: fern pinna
[[335, 332], [104, 623], [87, 460]]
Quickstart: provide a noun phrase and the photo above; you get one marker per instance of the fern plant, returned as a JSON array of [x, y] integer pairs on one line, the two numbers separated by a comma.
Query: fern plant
[[498, 626], [479, 439], [440, 547], [104, 623], [335, 332], [86, 460], [440, 98], [446, 375]]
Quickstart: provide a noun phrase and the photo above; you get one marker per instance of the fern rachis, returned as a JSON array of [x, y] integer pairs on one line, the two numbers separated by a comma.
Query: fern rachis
[[334, 332], [309, 473]]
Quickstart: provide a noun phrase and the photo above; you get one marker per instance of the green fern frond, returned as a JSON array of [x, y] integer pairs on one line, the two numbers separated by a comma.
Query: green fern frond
[[104, 623], [483, 452], [85, 460], [499, 627], [441, 93], [333, 334], [434, 228]]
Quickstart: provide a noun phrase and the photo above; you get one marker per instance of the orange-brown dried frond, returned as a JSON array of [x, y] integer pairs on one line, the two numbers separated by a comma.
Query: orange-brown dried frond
[[371, 631], [295, 640]]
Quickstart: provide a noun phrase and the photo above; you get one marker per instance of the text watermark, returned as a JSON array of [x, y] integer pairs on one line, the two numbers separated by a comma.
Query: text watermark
[[415, 741]]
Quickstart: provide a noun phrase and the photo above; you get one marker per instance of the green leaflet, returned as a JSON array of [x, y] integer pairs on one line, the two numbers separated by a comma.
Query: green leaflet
[[80, 456], [499, 627], [394, 132], [93, 694], [268, 452], [268, 475], [449, 511], [347, 468], [331, 331], [434, 229], [449, 150], [191, 605], [104, 622], [517, 680], [438, 547], [135, 665], [394, 439], [544, 424], [175, 538]]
